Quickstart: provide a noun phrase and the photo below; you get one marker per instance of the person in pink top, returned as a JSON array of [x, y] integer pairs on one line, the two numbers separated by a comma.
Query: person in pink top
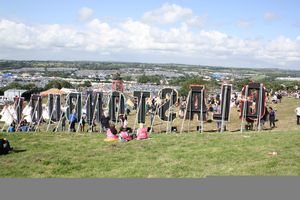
[[124, 136], [142, 133], [112, 132]]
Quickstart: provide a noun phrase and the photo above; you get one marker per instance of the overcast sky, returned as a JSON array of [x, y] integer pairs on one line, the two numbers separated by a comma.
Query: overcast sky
[[234, 33]]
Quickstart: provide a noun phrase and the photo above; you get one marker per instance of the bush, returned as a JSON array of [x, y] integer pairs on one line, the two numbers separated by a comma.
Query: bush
[[58, 84]]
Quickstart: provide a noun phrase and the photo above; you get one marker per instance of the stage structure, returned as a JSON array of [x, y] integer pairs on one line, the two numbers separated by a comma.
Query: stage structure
[[225, 105], [195, 105], [253, 103]]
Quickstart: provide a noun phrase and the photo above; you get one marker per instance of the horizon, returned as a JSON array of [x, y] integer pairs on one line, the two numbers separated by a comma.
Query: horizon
[[154, 63], [230, 34]]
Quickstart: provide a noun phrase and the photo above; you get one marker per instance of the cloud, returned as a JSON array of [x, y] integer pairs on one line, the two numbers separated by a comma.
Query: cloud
[[85, 13], [271, 16], [172, 13], [138, 40], [167, 13], [244, 24]]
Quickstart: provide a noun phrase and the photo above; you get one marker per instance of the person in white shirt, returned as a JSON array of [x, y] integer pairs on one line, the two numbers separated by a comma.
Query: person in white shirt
[[298, 114]]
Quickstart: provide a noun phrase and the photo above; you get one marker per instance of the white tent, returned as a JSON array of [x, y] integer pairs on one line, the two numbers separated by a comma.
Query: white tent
[[45, 113], [8, 115], [28, 118], [27, 110]]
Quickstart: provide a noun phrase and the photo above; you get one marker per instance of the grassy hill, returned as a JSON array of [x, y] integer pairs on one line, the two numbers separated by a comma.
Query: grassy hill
[[164, 155]]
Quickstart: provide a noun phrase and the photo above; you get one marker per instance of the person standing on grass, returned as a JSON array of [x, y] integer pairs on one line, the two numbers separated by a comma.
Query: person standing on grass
[[63, 122], [272, 117], [298, 114], [72, 121], [82, 123], [218, 111], [264, 118], [105, 121]]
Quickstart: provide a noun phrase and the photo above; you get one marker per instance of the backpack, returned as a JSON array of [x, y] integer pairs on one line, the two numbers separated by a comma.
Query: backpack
[[4, 146]]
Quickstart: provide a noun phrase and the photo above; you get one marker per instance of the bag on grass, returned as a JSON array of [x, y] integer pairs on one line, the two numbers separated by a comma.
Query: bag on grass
[[4, 146]]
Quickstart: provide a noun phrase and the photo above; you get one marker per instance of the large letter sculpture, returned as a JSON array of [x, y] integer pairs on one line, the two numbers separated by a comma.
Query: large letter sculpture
[[194, 103], [36, 105], [74, 105], [167, 104], [253, 104], [225, 104], [141, 105], [19, 101], [116, 105], [54, 108], [94, 107]]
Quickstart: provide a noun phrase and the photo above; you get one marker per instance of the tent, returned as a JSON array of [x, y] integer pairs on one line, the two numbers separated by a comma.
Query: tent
[[45, 113], [52, 91], [8, 115], [7, 75], [67, 90]]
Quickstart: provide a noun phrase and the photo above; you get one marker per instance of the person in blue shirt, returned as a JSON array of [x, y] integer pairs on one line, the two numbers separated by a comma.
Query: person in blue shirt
[[11, 128], [72, 120]]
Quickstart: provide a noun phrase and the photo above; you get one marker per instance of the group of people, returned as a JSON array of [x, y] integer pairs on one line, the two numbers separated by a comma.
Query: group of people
[[23, 126], [73, 119], [212, 106], [125, 133]]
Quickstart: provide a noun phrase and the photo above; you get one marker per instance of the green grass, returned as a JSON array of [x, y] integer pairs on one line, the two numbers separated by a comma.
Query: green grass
[[168, 156], [187, 155]]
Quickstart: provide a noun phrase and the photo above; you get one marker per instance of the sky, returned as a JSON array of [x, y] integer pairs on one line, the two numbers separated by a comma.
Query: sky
[[231, 33]]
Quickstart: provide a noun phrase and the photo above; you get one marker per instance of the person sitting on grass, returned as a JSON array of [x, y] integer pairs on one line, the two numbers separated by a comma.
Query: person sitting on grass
[[124, 136], [111, 133], [11, 128], [142, 132], [24, 126]]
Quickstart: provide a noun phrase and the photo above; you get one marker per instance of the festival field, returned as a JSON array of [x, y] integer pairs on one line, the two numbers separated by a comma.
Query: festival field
[[186, 155], [163, 155]]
